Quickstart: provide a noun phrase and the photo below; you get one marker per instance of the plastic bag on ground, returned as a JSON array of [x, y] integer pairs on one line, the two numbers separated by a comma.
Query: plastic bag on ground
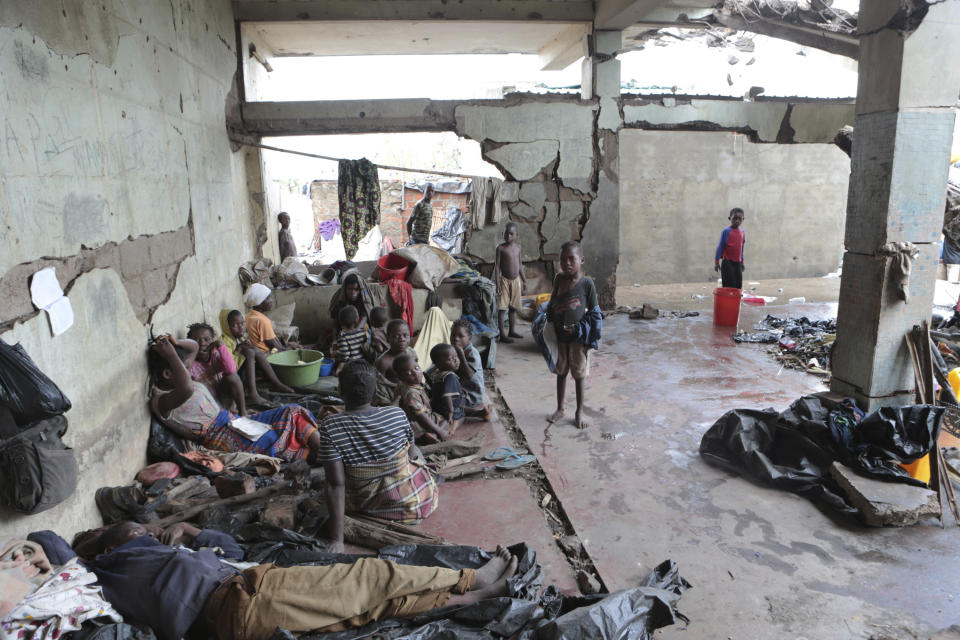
[[25, 390], [793, 450]]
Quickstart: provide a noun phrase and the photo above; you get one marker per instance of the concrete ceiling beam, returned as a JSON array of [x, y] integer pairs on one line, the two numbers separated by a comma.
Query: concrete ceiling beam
[[837, 43], [569, 46], [290, 10], [620, 14]]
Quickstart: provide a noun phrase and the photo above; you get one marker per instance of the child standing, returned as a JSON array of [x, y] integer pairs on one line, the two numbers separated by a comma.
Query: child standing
[[729, 258], [470, 371], [351, 340], [288, 248], [215, 367], [575, 312], [510, 280], [428, 426]]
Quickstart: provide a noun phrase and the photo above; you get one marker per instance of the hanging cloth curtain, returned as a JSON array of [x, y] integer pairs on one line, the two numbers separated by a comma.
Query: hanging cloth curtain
[[358, 188]]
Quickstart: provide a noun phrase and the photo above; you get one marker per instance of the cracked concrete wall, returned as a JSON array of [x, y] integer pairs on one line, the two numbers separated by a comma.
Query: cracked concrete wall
[[116, 169], [678, 188]]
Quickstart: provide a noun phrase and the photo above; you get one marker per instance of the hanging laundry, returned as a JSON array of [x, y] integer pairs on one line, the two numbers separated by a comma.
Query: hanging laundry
[[479, 201], [358, 188], [496, 210], [328, 229], [401, 292]]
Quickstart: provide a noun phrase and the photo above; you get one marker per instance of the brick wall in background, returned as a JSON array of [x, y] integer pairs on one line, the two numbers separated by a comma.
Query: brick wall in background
[[396, 205]]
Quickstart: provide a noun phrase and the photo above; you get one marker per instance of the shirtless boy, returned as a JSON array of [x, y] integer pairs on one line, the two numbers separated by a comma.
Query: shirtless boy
[[510, 280]]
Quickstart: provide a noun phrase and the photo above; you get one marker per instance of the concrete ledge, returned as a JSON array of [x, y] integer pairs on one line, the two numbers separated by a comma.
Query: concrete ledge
[[886, 504]]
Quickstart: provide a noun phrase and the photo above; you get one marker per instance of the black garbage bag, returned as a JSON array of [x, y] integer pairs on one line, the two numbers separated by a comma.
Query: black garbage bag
[[793, 450], [163, 445], [25, 390]]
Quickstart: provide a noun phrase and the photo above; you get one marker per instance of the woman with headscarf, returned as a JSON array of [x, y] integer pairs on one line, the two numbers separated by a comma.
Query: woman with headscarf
[[259, 327], [354, 291]]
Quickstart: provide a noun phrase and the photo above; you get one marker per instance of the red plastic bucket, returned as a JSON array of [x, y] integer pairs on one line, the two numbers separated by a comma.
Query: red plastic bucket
[[726, 306], [392, 266]]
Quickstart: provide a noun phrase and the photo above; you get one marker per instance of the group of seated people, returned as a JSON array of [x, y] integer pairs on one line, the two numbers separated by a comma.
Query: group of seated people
[[184, 582], [369, 447]]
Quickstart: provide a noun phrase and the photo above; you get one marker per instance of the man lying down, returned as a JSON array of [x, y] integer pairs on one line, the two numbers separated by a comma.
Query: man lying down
[[175, 590]]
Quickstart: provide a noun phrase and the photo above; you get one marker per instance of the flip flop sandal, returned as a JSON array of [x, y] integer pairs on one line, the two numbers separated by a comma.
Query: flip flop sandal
[[515, 461], [503, 453]]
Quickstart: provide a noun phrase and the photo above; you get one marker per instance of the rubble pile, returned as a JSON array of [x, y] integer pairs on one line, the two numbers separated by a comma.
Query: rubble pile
[[800, 343]]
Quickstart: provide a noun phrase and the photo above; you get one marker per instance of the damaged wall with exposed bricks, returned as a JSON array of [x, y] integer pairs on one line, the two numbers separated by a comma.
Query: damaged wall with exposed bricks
[[115, 168]]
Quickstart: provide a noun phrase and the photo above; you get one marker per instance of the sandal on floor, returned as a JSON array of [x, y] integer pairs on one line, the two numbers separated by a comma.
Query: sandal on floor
[[503, 453], [515, 461]]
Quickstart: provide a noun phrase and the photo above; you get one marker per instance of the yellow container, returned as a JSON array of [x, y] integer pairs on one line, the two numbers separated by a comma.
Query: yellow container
[[954, 379], [545, 297], [919, 469]]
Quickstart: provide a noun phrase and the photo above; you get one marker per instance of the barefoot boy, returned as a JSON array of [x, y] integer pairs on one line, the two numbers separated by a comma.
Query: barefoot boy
[[428, 426], [575, 313], [510, 280], [729, 257]]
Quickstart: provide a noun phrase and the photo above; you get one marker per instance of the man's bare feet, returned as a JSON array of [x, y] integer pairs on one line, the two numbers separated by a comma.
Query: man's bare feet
[[514, 334], [579, 421], [504, 339], [489, 573], [556, 415]]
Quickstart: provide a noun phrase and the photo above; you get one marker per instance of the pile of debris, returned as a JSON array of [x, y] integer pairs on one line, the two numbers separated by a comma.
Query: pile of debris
[[801, 343]]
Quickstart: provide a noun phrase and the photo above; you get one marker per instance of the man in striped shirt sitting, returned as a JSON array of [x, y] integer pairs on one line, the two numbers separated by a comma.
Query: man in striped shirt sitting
[[352, 340], [366, 455]]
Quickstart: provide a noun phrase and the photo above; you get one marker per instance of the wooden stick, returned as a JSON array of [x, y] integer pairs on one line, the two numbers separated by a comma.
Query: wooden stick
[[396, 526], [456, 462], [366, 535], [466, 470]]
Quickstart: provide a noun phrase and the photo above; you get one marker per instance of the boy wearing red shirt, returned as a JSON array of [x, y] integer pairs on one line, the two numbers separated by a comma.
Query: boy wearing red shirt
[[729, 258]]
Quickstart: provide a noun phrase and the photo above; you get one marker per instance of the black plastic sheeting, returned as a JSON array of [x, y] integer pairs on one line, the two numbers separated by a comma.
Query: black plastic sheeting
[[25, 390], [96, 630], [794, 449], [632, 614]]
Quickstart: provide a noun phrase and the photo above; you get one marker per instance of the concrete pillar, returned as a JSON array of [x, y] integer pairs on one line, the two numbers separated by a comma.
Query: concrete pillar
[[601, 232], [903, 131]]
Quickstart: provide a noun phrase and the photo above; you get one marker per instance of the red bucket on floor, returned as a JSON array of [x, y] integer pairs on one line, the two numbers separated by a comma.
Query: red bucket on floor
[[726, 306], [392, 266]]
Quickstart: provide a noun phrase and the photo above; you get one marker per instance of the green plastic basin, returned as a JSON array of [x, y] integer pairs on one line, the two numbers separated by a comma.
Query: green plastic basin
[[293, 374]]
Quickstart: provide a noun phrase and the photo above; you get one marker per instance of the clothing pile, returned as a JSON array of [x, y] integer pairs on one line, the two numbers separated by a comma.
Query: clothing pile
[[801, 343]]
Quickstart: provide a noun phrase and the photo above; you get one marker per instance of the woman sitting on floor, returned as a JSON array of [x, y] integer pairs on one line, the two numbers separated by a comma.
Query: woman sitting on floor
[[366, 455], [189, 410]]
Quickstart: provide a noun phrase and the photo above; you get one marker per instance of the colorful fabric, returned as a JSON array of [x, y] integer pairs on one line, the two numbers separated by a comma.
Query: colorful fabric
[[350, 344], [358, 189], [290, 427], [443, 385], [401, 292], [358, 438], [328, 228], [61, 604], [228, 340], [731, 245], [259, 330], [395, 488], [510, 293], [422, 222]]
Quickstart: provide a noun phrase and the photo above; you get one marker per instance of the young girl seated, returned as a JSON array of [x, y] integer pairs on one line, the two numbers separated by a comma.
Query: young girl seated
[[215, 367], [249, 359], [428, 426], [189, 410]]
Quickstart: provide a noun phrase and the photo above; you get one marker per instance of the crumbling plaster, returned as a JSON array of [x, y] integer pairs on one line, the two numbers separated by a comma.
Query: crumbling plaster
[[116, 169]]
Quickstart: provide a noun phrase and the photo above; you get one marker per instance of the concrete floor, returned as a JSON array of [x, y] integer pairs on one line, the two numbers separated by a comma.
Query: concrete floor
[[693, 296], [764, 564]]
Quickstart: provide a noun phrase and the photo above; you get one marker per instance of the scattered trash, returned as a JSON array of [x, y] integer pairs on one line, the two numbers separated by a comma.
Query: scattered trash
[[801, 343], [797, 300], [646, 312]]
